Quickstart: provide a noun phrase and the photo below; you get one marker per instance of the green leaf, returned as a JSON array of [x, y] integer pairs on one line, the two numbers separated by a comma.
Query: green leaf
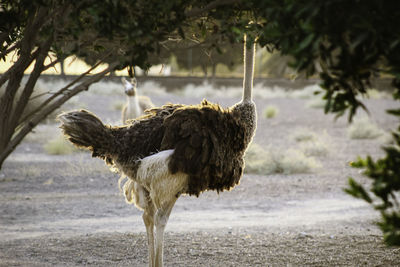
[[395, 112], [359, 163], [357, 191], [305, 43]]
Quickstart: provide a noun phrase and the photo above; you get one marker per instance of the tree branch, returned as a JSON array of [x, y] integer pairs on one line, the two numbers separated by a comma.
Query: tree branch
[[21, 64], [196, 12], [7, 99], [27, 44], [33, 77], [3, 37], [59, 92], [7, 51], [52, 64], [39, 117]]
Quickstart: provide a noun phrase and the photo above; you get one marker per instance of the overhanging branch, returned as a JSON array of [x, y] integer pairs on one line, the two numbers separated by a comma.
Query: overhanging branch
[[59, 92], [29, 86], [9, 50], [28, 126], [196, 12]]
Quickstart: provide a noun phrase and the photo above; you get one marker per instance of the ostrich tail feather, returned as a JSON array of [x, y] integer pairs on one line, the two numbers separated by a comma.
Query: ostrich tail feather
[[87, 131]]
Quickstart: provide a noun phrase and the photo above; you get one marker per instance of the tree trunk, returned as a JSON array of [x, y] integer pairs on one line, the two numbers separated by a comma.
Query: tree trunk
[[62, 67], [213, 73], [204, 68], [190, 61], [14, 76], [13, 140]]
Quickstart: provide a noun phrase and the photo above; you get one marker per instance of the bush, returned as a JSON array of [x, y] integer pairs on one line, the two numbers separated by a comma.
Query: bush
[[375, 94], [364, 129], [311, 143], [317, 103], [270, 112], [303, 134], [59, 146], [295, 161], [316, 148], [264, 162], [259, 161]]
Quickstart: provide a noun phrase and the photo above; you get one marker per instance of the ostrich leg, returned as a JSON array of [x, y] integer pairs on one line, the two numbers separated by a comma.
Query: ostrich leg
[[162, 216], [148, 219]]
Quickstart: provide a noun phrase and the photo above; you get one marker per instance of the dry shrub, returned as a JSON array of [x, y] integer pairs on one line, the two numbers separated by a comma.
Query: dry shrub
[[270, 112], [363, 128], [316, 148], [386, 139], [312, 143], [291, 161], [59, 146], [260, 161], [303, 134], [295, 161], [317, 103], [375, 94]]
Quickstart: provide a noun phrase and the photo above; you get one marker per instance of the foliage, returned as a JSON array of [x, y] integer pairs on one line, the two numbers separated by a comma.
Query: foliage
[[351, 41], [385, 187], [206, 54]]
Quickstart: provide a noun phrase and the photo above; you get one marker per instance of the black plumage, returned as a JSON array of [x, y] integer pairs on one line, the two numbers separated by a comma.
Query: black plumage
[[208, 141], [209, 146]]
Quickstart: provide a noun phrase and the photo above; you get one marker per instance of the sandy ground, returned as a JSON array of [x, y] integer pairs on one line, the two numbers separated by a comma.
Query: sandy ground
[[68, 211]]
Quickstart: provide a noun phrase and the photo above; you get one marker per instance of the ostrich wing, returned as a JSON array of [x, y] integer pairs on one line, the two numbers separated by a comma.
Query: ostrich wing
[[209, 146]]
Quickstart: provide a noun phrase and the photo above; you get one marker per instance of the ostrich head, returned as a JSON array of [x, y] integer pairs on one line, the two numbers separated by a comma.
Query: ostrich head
[[130, 87]]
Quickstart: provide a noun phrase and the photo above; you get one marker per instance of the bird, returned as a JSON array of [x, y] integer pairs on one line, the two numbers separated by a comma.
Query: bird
[[135, 104], [171, 151]]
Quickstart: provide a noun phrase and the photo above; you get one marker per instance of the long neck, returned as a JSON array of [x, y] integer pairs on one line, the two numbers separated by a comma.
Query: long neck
[[249, 55], [133, 103]]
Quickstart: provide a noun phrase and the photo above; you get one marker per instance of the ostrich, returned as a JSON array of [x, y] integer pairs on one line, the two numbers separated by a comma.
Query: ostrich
[[171, 150], [135, 104]]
